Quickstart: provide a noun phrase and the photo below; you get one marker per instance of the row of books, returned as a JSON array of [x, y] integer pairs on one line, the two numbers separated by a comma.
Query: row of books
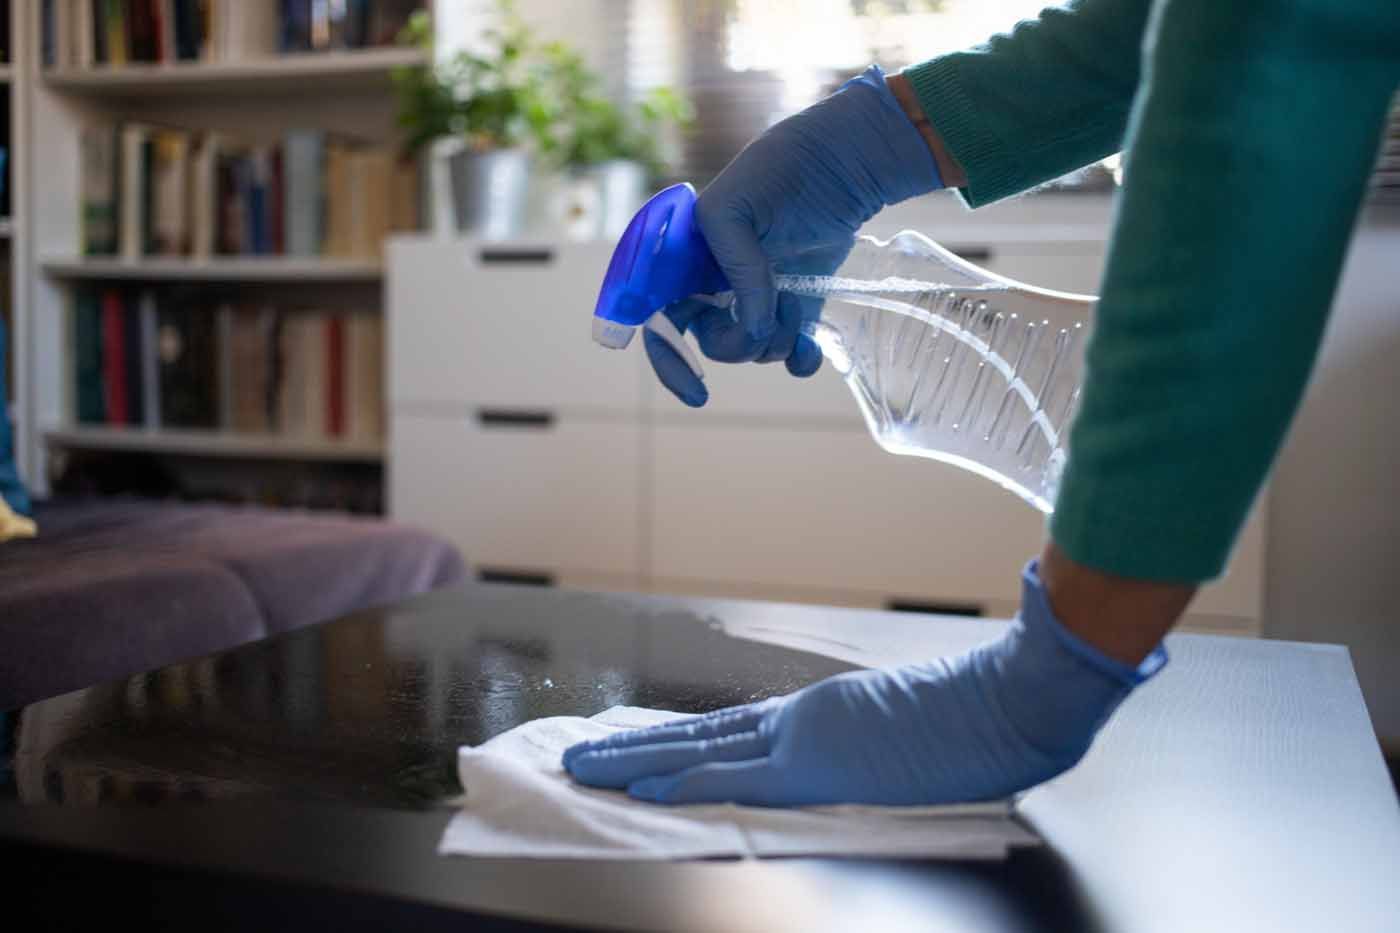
[[158, 191], [89, 33], [152, 360]]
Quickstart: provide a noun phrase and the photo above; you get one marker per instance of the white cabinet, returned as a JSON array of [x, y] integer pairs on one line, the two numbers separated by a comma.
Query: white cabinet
[[501, 325], [555, 498], [539, 452], [811, 507]]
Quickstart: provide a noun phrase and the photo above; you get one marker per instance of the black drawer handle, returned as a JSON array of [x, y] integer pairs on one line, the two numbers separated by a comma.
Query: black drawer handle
[[934, 608], [514, 418], [518, 577], [516, 256], [972, 253]]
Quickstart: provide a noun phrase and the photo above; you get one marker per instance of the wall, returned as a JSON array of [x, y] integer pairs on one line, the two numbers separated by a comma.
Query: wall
[[1333, 564]]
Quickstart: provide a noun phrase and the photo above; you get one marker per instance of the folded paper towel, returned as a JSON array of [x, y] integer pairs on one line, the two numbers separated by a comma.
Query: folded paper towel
[[520, 803]]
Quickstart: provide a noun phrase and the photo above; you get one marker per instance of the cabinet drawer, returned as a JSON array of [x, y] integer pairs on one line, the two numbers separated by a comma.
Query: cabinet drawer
[[828, 508], [505, 325], [526, 498]]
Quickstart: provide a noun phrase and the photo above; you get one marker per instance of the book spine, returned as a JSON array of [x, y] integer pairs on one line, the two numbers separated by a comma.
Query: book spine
[[118, 46], [223, 348], [132, 360], [335, 375], [97, 10], [150, 361], [87, 338], [303, 206], [114, 358]]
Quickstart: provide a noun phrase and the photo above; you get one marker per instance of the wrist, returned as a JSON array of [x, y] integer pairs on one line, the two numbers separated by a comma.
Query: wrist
[[948, 168], [1121, 617]]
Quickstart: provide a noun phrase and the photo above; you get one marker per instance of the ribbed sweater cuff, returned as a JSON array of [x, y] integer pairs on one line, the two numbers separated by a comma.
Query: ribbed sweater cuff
[[992, 173]]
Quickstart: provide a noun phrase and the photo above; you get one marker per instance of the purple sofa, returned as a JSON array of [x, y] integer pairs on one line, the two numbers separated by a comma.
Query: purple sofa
[[111, 588]]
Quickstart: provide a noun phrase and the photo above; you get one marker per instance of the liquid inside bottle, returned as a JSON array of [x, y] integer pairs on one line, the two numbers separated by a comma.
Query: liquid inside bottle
[[951, 362]]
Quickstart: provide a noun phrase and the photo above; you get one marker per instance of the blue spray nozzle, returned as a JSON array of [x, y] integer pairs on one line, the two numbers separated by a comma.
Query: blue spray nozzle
[[661, 258]]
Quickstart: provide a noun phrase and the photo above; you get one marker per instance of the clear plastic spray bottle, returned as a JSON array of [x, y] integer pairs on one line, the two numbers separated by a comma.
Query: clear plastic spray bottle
[[945, 359]]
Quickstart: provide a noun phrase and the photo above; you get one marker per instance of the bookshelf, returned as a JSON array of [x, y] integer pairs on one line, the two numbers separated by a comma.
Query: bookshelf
[[215, 444], [346, 94], [270, 269], [311, 72]]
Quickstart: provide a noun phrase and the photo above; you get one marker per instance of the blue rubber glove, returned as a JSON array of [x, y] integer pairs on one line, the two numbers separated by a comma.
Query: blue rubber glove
[[792, 201], [995, 720]]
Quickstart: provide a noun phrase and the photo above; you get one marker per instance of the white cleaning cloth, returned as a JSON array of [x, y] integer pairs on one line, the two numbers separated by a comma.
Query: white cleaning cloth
[[520, 803]]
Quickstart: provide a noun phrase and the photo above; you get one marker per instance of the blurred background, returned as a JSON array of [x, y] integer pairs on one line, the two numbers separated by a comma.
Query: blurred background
[[340, 256]]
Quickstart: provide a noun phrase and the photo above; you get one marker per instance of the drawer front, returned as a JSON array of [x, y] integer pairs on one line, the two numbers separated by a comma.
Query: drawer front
[[829, 509], [502, 325], [537, 498]]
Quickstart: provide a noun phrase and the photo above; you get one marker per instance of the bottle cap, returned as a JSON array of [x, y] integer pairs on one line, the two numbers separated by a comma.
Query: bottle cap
[[661, 258]]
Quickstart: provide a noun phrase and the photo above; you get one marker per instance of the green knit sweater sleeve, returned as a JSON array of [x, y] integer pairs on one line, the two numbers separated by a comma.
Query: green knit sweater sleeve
[[1248, 147], [1248, 154], [1049, 97]]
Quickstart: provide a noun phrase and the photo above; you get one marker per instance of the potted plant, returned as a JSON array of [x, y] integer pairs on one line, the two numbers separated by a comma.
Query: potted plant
[[610, 153], [489, 102]]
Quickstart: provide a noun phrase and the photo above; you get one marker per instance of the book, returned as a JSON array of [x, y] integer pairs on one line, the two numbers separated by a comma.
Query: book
[[333, 329], [296, 26], [133, 192], [204, 205], [87, 357], [313, 365], [114, 382], [170, 196], [371, 174], [165, 31], [250, 355], [338, 238], [231, 216], [405, 198], [85, 35], [223, 349], [258, 201], [98, 145], [143, 43], [292, 377], [249, 29], [188, 367], [276, 202], [97, 12], [189, 29], [150, 360], [131, 359], [364, 377], [303, 202], [118, 47]]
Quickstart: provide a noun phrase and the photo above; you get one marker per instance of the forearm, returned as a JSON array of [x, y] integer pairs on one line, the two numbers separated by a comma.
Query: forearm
[[1049, 97], [1247, 161]]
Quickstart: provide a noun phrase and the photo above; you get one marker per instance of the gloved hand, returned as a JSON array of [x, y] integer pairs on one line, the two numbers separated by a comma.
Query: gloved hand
[[979, 726], [794, 199]]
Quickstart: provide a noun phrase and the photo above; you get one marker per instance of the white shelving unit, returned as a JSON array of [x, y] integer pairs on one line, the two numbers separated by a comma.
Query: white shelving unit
[[347, 94], [222, 269], [310, 73], [215, 444]]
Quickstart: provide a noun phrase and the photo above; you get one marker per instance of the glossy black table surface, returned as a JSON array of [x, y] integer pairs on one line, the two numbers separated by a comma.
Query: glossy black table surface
[[305, 780]]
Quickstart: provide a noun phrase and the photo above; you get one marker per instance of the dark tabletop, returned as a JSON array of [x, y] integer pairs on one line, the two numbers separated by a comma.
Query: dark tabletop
[[306, 780]]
